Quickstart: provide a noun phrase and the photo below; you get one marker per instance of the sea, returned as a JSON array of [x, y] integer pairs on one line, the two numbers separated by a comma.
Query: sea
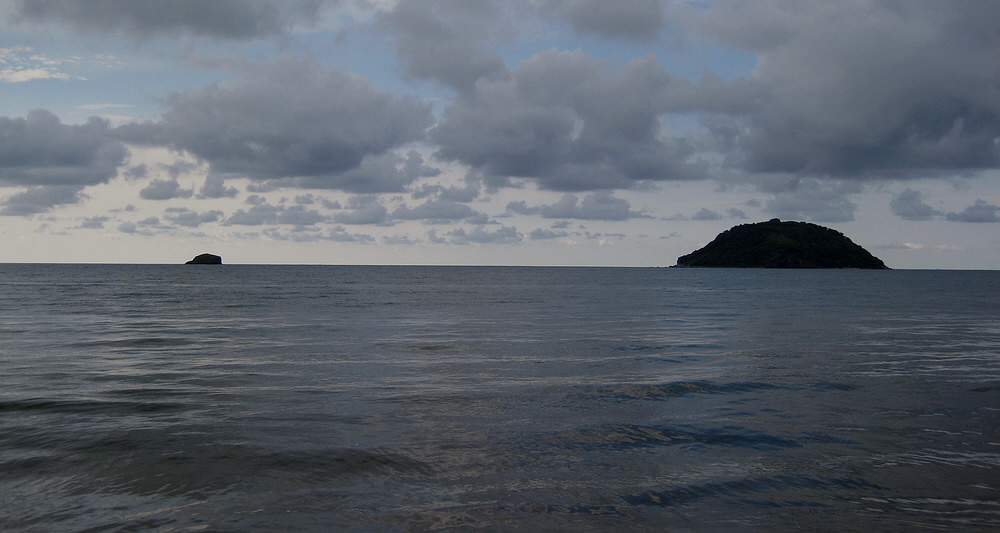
[[431, 398]]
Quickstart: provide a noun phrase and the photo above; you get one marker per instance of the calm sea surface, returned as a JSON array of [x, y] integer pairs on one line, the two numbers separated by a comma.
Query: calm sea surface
[[310, 398]]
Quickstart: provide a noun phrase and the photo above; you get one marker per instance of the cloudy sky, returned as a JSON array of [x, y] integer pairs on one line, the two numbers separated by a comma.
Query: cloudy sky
[[535, 132]]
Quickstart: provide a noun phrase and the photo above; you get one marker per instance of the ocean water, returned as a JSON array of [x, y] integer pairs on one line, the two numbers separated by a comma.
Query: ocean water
[[312, 398]]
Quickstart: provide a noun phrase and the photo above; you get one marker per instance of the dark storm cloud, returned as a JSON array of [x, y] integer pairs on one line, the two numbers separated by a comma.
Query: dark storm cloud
[[910, 205], [39, 150], [864, 90], [981, 211], [40, 199], [596, 206], [294, 120], [142, 19], [572, 122]]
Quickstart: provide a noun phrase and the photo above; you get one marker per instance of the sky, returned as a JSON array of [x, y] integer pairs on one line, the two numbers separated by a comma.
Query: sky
[[507, 132]]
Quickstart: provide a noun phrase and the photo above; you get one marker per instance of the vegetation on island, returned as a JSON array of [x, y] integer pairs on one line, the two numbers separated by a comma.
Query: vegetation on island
[[777, 244]]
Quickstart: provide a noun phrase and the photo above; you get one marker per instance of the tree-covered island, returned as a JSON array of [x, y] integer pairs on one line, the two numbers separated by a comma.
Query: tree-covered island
[[777, 244]]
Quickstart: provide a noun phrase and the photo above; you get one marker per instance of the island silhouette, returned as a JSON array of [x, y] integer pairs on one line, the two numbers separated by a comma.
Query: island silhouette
[[778, 244], [205, 259]]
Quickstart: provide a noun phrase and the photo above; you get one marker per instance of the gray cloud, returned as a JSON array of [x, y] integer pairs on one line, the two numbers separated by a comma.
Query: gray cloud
[[815, 201], [215, 187], [539, 234], [981, 211], [363, 210], [571, 122], [292, 119], [710, 214], [449, 41], [630, 20], [601, 205], [480, 235], [39, 150], [443, 40], [877, 89], [339, 234], [127, 227], [605, 236], [142, 19], [872, 90], [910, 205], [308, 234], [255, 199], [255, 216], [298, 215], [435, 212], [40, 199], [94, 222], [399, 239], [137, 172], [183, 216], [386, 172], [455, 194], [706, 214], [869, 90], [261, 213], [165, 190], [178, 168]]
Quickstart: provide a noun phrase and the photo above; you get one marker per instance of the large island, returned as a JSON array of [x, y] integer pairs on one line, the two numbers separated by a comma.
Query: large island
[[777, 244]]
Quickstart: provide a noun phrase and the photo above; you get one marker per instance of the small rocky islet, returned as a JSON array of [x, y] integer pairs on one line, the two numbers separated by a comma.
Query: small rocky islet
[[781, 244], [205, 259]]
